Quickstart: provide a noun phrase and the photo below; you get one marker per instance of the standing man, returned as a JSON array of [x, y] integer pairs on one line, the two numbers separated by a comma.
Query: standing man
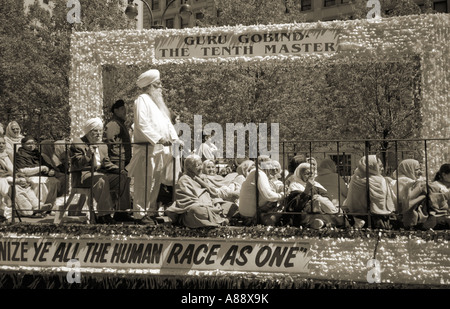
[[153, 134], [92, 167], [118, 136]]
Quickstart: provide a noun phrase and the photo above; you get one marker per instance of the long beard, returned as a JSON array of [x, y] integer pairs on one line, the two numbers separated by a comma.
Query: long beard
[[159, 101]]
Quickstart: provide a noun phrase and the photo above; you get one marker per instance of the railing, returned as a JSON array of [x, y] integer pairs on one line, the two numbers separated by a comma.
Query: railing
[[427, 151]]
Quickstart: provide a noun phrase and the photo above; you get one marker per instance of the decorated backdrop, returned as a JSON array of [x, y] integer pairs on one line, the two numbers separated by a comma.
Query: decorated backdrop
[[418, 42]]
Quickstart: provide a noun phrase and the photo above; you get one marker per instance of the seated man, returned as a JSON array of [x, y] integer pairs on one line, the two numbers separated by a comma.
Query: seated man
[[91, 166]]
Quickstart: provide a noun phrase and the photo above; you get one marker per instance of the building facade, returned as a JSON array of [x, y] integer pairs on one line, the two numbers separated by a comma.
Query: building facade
[[166, 12]]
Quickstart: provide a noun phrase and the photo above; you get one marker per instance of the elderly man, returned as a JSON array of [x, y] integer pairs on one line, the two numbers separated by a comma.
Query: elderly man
[[91, 167], [153, 134]]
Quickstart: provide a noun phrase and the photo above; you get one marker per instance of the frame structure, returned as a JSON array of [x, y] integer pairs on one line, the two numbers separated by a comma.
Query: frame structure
[[390, 39]]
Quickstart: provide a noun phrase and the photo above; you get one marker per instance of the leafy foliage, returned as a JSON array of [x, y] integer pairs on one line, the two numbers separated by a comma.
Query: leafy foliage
[[35, 62], [252, 12], [319, 100]]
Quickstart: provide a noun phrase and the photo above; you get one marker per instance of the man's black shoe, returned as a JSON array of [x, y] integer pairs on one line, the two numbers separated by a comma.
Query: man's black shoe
[[147, 220], [123, 217], [107, 219]]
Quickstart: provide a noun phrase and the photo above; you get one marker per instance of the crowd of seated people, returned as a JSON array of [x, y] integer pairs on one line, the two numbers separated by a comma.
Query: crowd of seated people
[[421, 203], [310, 193]]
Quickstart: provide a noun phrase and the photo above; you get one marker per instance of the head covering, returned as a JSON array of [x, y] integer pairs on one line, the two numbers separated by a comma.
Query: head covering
[[190, 163], [27, 138], [326, 166], [16, 138], [407, 168], [91, 124], [276, 166], [245, 167], [300, 170], [147, 78], [117, 104], [374, 166], [239, 161]]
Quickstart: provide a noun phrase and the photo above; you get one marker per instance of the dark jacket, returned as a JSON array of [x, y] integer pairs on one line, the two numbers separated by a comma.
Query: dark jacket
[[119, 147], [81, 161]]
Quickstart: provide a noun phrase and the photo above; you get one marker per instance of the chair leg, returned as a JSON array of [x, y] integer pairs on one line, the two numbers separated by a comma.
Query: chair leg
[[77, 208], [62, 209], [92, 215]]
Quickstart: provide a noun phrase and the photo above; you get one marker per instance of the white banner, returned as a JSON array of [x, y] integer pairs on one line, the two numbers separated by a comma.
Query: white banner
[[162, 254], [247, 44]]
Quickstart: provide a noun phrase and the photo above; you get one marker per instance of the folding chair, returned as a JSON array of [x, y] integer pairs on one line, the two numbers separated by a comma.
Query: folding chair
[[74, 213]]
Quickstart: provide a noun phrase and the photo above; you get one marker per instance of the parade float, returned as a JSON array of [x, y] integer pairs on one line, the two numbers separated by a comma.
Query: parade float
[[95, 256]]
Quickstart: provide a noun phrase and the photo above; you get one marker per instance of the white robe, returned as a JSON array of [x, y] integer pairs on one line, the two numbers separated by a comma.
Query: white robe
[[150, 125]]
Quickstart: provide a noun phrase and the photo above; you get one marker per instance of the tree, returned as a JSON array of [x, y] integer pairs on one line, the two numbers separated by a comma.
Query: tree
[[379, 100], [35, 63]]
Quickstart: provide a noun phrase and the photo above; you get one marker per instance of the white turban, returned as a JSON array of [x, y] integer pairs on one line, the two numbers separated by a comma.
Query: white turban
[[91, 124], [147, 78]]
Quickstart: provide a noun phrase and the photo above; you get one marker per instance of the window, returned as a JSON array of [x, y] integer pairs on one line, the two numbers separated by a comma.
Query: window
[[199, 15], [440, 6], [306, 5], [328, 3], [169, 23], [154, 4]]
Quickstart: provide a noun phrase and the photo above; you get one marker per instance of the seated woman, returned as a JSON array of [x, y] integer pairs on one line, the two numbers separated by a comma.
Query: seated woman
[[224, 187], [382, 198], [13, 136], [243, 169], [30, 162], [57, 160], [330, 180], [441, 185], [311, 199], [195, 206], [407, 188], [420, 205], [275, 177], [292, 165], [442, 177], [26, 202], [269, 201]]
